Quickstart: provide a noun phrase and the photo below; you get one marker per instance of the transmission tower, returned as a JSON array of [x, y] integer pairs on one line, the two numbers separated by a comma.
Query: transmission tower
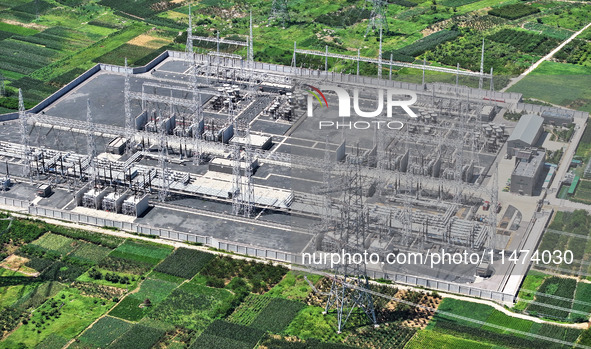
[[379, 56], [279, 11], [350, 235], [248, 186], [377, 18], [459, 157], [189, 45], [91, 146], [197, 113], [25, 139], [250, 56], [481, 80], [236, 173], [163, 164], [494, 201], [129, 120]]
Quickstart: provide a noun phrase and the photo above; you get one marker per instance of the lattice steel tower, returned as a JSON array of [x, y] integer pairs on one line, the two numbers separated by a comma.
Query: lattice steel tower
[[351, 232], [163, 164], [91, 146], [25, 138], [250, 55], [129, 120], [377, 18], [279, 11], [189, 45]]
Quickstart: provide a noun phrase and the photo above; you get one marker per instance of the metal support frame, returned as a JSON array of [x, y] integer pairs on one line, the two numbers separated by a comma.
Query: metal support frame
[[392, 63], [25, 138], [279, 11], [377, 18], [91, 147], [189, 45], [481, 80], [129, 120], [350, 233], [163, 165]]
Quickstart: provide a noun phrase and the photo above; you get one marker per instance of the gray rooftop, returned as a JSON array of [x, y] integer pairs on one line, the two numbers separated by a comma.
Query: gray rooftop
[[559, 114], [527, 128], [529, 168]]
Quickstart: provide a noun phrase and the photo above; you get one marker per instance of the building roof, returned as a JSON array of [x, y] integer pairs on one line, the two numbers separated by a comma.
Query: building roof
[[557, 114], [527, 129], [255, 140], [529, 167]]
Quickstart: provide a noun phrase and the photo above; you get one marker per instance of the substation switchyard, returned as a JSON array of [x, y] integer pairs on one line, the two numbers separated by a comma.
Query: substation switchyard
[[240, 155]]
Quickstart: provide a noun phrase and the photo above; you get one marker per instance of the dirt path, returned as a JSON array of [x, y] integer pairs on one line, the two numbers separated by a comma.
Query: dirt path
[[546, 57]]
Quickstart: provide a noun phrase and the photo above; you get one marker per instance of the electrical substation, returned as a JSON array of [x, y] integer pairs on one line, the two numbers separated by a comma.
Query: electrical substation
[[216, 148]]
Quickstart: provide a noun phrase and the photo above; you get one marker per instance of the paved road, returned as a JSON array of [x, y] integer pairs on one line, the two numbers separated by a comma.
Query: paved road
[[548, 56]]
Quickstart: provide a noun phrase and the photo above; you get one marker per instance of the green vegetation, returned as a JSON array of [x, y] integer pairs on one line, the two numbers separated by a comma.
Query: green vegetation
[[558, 83], [193, 306], [434, 339], [52, 341], [61, 39], [513, 11], [133, 53], [222, 334], [582, 298], [249, 310], [124, 265], [583, 192], [172, 311], [294, 286], [105, 331], [488, 333], [142, 252], [184, 262], [57, 243], [138, 336], [67, 313], [277, 315], [525, 41], [91, 252], [17, 29], [260, 277], [577, 223], [140, 8], [129, 309], [408, 53], [533, 280]]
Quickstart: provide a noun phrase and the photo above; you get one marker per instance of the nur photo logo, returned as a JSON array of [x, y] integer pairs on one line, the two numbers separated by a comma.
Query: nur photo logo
[[388, 98]]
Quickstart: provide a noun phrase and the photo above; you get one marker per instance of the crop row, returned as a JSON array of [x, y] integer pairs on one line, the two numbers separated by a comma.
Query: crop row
[[222, 334], [138, 336], [193, 309], [277, 315], [553, 32], [184, 262], [514, 11], [248, 310], [131, 52], [106, 330], [140, 8], [34, 7], [457, 3], [554, 287], [525, 41], [427, 43], [576, 52], [260, 276], [344, 18]]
